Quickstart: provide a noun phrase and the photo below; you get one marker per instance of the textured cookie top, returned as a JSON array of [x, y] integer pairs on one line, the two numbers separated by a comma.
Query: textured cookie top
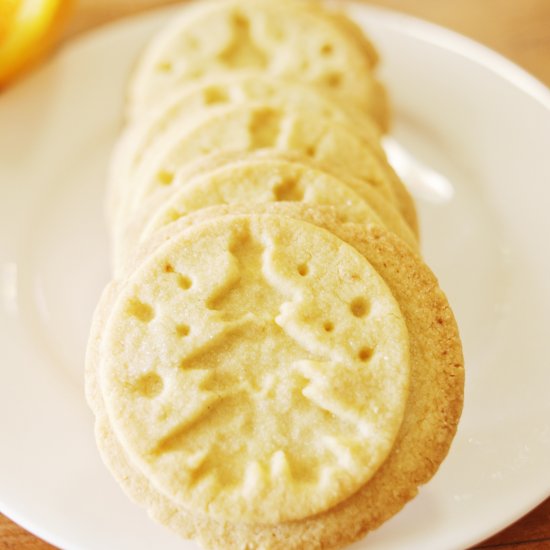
[[432, 412], [250, 179], [256, 368], [259, 125], [183, 105], [220, 37]]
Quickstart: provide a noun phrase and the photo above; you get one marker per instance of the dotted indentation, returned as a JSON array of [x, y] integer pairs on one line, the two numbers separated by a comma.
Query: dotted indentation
[[334, 80], [311, 151], [288, 190], [326, 49], [184, 282], [183, 330], [365, 353], [149, 385], [328, 326], [164, 67], [359, 307], [173, 215], [264, 128], [141, 311], [165, 177], [214, 94], [303, 270]]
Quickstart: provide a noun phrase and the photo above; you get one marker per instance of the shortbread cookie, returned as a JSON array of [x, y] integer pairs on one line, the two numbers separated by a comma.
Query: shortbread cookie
[[264, 125], [256, 178], [430, 420], [285, 39], [256, 368], [386, 208], [183, 105]]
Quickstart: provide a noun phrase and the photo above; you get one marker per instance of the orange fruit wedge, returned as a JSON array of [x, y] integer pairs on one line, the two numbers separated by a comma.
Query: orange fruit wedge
[[27, 29]]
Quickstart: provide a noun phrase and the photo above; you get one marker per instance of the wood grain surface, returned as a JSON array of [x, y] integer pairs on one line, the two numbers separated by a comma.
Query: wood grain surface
[[518, 29]]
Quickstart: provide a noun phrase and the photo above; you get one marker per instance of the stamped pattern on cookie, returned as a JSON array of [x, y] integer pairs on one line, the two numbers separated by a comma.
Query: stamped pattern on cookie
[[256, 369], [185, 103], [251, 127], [221, 37], [250, 180]]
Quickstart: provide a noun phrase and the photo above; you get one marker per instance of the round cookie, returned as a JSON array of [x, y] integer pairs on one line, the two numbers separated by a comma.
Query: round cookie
[[430, 420], [393, 218], [220, 37], [256, 178], [264, 125], [184, 103], [256, 368]]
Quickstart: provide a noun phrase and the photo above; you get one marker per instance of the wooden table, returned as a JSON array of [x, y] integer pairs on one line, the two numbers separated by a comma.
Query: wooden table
[[520, 30]]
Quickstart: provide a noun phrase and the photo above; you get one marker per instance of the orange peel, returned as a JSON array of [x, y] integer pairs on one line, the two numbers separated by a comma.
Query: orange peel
[[28, 28]]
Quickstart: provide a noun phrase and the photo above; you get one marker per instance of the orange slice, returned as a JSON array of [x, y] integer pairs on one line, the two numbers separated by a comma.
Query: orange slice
[[27, 29]]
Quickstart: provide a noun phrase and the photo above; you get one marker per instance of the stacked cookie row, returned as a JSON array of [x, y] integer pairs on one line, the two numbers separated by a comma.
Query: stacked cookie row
[[273, 365]]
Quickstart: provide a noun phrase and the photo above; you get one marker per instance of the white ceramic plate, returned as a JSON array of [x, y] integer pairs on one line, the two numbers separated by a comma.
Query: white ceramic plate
[[472, 115]]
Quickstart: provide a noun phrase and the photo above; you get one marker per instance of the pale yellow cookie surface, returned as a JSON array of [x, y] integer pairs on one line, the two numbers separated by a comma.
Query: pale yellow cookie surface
[[220, 37], [253, 126], [400, 218], [185, 103], [432, 412], [249, 179], [256, 369]]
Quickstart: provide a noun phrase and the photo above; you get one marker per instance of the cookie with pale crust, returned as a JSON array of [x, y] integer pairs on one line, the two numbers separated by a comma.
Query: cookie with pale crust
[[268, 124], [430, 417], [256, 368], [185, 102], [273, 366], [252, 178], [220, 37]]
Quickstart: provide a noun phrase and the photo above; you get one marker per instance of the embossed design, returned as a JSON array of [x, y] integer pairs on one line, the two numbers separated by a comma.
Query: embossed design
[[140, 310], [253, 348], [264, 128], [359, 307], [288, 190], [242, 51]]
